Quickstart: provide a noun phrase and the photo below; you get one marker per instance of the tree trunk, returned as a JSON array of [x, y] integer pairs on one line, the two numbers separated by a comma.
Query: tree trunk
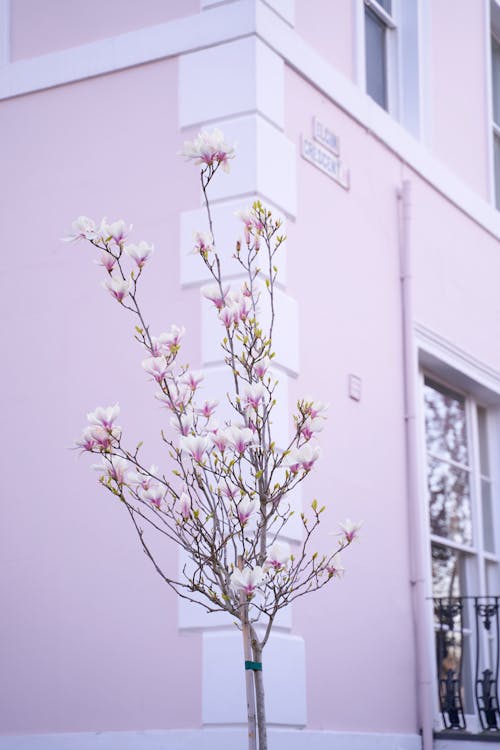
[[259, 694], [249, 680]]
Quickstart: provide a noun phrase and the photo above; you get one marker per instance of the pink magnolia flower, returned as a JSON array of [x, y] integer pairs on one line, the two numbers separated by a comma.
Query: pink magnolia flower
[[157, 367], [246, 580], [229, 490], [116, 468], [240, 437], [216, 294], [210, 149], [350, 529], [261, 367], [252, 224], [87, 442], [246, 507], [226, 316], [253, 395], [192, 379], [195, 445], [185, 505], [277, 557], [116, 231], [104, 416], [143, 481], [310, 426], [334, 568], [139, 253], [107, 260], [203, 243], [183, 423], [221, 439], [83, 228], [168, 343], [155, 494], [118, 288], [104, 438], [313, 409], [207, 409], [302, 458]]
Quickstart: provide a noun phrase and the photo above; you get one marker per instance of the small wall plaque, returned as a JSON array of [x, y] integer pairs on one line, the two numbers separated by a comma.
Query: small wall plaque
[[326, 161]]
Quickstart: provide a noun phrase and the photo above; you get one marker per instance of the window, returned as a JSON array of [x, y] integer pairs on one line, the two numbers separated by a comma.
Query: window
[[379, 32], [389, 60], [463, 550], [495, 82]]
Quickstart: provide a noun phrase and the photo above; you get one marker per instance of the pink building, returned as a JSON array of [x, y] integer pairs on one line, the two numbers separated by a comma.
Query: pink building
[[373, 128]]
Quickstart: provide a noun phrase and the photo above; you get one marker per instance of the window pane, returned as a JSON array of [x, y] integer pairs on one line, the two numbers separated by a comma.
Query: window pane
[[449, 501], [495, 71], [492, 579], [376, 74], [483, 441], [445, 423], [488, 532], [386, 5], [496, 148], [446, 572]]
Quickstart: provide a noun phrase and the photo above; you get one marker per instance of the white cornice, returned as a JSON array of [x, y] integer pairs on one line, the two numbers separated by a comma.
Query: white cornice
[[439, 353], [217, 25], [226, 23]]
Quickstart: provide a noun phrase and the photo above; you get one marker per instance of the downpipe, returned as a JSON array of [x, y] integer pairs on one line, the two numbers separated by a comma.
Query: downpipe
[[416, 539]]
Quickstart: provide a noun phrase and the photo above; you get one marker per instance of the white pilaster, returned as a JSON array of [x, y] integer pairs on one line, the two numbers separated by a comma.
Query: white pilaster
[[239, 88]]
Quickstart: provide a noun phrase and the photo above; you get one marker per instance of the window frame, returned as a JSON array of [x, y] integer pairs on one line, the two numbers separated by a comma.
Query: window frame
[[391, 62], [476, 558]]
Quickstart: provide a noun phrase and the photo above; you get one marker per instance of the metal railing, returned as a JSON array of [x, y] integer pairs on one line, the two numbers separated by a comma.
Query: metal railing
[[468, 657]]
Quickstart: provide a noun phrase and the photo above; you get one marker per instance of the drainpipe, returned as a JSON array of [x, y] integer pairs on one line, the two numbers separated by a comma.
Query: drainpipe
[[417, 545]]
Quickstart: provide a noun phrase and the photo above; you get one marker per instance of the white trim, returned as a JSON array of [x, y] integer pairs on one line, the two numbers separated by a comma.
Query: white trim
[[475, 376], [232, 21], [358, 45], [220, 24], [381, 13], [4, 32], [488, 31], [210, 739]]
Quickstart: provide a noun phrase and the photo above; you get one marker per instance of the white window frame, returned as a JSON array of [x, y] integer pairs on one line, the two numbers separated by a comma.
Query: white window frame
[[405, 61], [475, 580], [493, 33], [391, 51]]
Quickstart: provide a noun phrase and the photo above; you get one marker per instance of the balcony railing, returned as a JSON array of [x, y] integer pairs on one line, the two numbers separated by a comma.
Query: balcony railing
[[468, 656]]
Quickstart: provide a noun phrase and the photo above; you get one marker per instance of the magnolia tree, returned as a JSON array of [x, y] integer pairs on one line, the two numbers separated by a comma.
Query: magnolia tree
[[225, 498]]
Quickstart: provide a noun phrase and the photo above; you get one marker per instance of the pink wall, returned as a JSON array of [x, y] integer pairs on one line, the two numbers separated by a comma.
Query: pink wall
[[38, 28], [329, 29], [89, 634], [457, 99], [343, 268], [84, 620]]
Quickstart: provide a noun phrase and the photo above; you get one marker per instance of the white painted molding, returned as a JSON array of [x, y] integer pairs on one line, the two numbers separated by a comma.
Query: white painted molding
[[215, 739], [168, 39], [253, 81], [223, 679], [222, 24], [445, 358], [4, 33], [284, 8]]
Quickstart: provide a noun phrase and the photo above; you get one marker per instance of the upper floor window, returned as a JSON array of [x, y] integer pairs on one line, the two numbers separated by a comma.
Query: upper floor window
[[495, 82], [379, 41], [389, 64]]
